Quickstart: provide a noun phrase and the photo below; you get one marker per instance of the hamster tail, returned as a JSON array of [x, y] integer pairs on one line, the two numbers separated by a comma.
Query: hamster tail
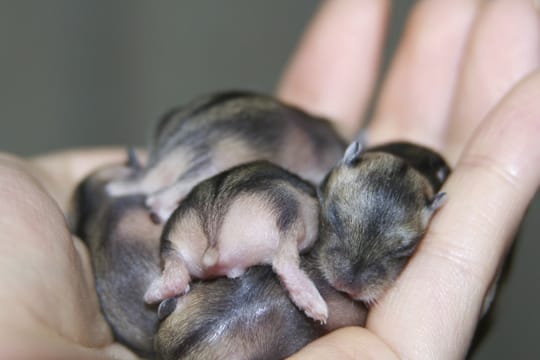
[[210, 257]]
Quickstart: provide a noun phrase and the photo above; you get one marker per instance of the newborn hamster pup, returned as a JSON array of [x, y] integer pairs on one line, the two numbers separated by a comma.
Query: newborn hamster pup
[[124, 250], [375, 207], [214, 133], [208, 323], [256, 213]]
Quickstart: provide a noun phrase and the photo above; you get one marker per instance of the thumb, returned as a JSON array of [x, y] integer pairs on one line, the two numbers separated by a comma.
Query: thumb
[[347, 344]]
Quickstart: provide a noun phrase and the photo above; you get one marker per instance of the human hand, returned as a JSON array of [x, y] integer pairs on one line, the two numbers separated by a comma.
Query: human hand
[[428, 313], [49, 306], [465, 81]]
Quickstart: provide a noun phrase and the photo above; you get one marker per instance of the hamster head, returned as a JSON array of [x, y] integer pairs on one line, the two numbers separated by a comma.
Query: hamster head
[[375, 208]]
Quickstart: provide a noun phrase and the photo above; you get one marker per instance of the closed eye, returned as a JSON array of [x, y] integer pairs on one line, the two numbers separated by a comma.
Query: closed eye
[[332, 215], [405, 250]]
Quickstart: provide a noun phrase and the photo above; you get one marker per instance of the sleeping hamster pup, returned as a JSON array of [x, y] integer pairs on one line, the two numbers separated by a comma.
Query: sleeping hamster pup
[[375, 207], [249, 317], [216, 132], [256, 213], [124, 250]]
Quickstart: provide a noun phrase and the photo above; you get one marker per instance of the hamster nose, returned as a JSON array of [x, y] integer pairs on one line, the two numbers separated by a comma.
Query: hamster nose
[[348, 288]]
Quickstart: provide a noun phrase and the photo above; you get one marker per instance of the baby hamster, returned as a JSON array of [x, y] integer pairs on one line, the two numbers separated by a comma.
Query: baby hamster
[[375, 207], [124, 250], [249, 317], [256, 213], [216, 132]]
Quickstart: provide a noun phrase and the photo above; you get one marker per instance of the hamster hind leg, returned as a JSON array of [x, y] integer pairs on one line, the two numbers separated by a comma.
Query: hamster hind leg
[[301, 289], [174, 279], [182, 246]]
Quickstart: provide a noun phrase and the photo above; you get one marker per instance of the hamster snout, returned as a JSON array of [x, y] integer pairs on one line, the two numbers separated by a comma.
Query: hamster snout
[[375, 208]]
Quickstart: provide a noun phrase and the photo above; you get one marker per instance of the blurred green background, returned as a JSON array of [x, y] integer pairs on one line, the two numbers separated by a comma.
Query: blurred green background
[[79, 73]]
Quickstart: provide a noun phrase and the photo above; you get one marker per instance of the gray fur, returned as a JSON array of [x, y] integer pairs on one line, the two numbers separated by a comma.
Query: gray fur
[[375, 207], [256, 125], [124, 259], [208, 323], [261, 120], [222, 130]]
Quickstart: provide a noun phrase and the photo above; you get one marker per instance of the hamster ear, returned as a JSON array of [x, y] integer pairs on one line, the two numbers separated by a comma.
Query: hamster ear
[[133, 161], [435, 203], [352, 153]]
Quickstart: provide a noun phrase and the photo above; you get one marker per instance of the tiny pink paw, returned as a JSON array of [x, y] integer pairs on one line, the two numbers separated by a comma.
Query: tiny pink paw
[[160, 210], [317, 311], [312, 303]]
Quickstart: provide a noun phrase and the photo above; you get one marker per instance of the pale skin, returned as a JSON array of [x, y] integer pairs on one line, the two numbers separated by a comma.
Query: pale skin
[[467, 86]]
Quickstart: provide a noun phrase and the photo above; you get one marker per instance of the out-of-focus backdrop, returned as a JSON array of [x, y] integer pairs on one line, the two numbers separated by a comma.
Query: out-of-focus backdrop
[[77, 73]]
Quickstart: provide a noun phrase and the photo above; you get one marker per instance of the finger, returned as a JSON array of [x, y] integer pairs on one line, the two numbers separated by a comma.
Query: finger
[[417, 93], [346, 343], [60, 172], [435, 304], [504, 47], [334, 69]]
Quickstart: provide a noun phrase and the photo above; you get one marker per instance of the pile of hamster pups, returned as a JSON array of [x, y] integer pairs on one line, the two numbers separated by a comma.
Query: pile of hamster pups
[[250, 229]]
